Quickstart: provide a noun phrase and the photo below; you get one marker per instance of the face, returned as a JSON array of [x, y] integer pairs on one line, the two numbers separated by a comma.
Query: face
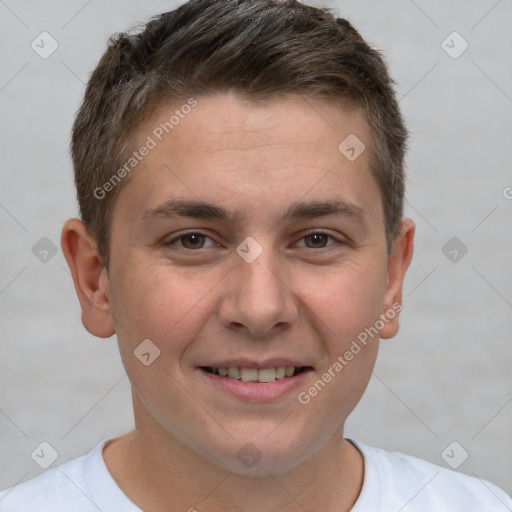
[[285, 268]]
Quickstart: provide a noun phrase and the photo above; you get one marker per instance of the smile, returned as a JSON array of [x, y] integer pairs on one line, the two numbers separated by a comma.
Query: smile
[[254, 374], [256, 385]]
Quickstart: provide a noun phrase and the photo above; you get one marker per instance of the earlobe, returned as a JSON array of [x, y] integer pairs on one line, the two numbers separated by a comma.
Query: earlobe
[[398, 263], [89, 277]]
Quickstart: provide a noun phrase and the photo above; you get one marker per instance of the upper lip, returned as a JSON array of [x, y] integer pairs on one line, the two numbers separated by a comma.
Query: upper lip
[[251, 363]]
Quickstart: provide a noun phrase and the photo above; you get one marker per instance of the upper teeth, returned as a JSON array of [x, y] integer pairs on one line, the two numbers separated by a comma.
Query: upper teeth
[[255, 375]]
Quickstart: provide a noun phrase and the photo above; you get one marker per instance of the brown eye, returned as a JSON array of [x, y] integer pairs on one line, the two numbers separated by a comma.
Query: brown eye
[[191, 241], [196, 241], [318, 240]]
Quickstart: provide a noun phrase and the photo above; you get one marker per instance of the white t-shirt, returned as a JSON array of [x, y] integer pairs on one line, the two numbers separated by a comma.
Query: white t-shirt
[[392, 482]]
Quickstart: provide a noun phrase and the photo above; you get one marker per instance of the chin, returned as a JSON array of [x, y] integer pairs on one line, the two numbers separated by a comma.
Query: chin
[[261, 454]]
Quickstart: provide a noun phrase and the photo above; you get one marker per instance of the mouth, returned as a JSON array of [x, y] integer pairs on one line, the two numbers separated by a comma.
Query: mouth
[[261, 375], [263, 385]]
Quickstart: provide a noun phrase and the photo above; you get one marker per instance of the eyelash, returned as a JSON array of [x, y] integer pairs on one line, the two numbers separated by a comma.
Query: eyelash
[[185, 235]]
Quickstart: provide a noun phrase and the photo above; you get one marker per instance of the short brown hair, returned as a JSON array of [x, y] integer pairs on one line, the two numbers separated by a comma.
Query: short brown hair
[[258, 48]]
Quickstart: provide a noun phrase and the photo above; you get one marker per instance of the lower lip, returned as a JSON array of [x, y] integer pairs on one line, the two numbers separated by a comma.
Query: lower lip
[[257, 391]]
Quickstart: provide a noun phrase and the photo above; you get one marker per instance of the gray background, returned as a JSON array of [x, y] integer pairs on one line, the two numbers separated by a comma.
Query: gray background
[[446, 376]]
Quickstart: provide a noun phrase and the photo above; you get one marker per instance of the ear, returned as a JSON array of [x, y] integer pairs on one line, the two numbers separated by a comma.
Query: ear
[[398, 263], [89, 277]]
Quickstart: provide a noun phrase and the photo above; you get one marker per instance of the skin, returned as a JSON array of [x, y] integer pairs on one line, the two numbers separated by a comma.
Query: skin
[[301, 298]]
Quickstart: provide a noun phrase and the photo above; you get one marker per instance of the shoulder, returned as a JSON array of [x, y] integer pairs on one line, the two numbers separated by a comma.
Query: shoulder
[[394, 479], [59, 489]]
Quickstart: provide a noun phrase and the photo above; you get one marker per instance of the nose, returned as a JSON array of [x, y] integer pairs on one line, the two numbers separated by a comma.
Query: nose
[[259, 297]]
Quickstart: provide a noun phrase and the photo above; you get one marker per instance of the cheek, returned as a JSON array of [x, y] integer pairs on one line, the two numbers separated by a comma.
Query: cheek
[[345, 301], [163, 304], [346, 306], [159, 304], [153, 299]]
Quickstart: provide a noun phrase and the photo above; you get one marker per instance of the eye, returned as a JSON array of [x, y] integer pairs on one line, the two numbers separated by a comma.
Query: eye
[[191, 241], [196, 241], [318, 240]]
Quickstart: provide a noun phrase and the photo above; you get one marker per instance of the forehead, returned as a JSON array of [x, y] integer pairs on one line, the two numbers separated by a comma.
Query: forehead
[[224, 148], [228, 122]]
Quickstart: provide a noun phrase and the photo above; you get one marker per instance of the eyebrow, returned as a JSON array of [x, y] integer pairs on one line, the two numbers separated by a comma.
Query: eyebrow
[[298, 210]]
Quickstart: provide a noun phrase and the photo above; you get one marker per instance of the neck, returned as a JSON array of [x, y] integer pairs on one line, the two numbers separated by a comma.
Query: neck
[[158, 472]]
